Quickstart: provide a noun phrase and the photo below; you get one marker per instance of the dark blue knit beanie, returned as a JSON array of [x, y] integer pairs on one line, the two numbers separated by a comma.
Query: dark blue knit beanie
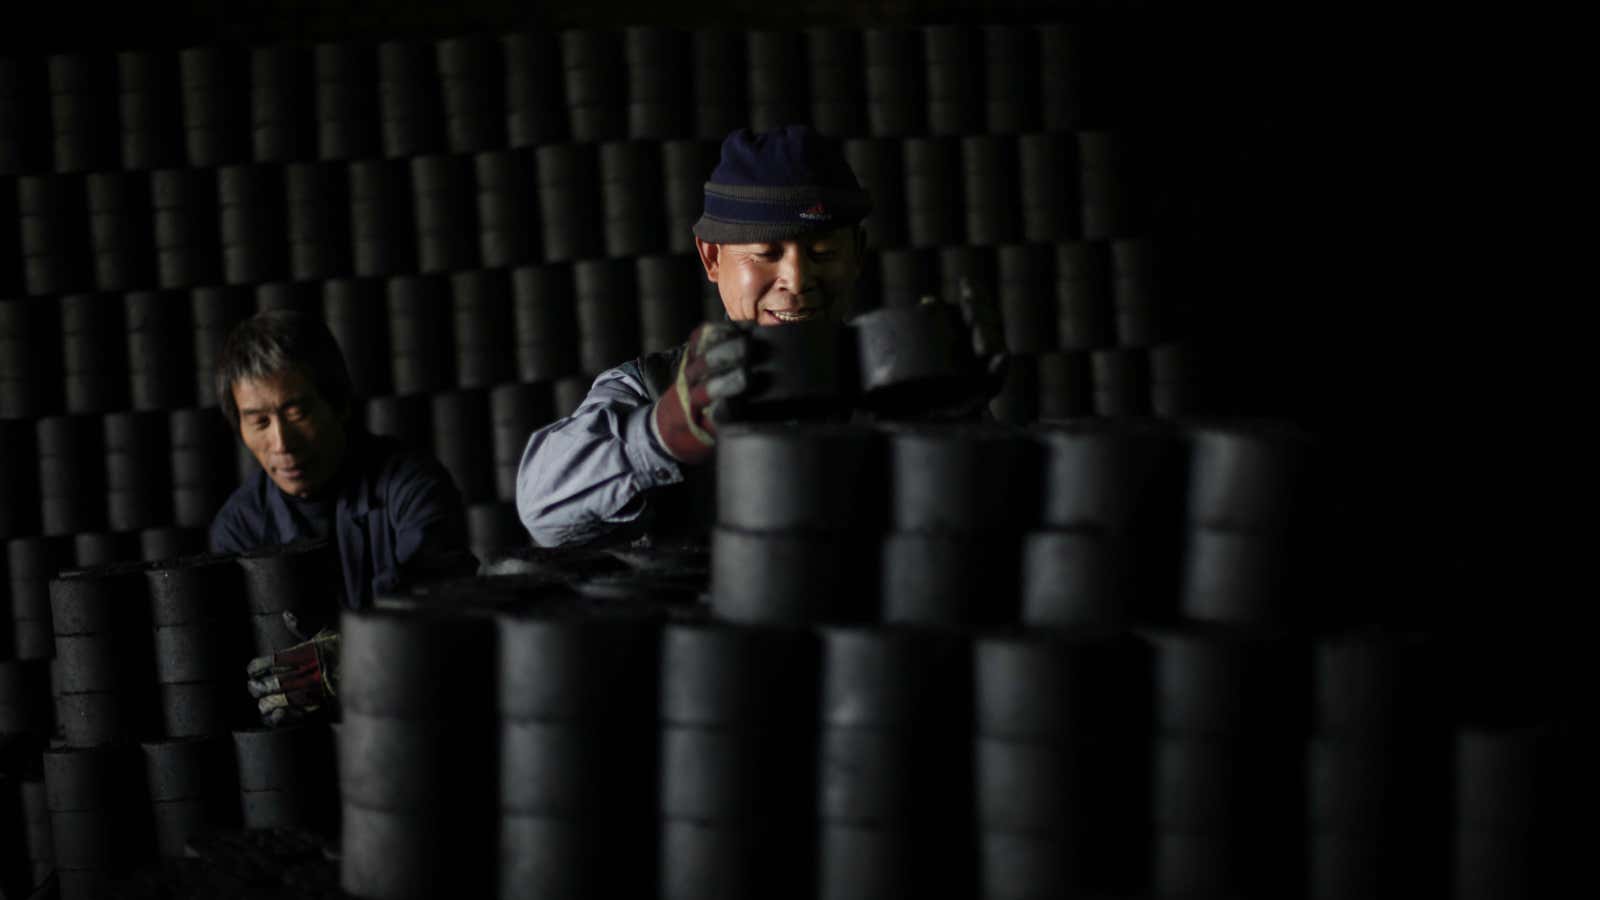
[[781, 184]]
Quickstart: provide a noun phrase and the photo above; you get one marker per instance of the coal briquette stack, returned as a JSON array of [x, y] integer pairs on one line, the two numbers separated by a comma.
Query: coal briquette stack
[[55, 237], [894, 764], [418, 768], [915, 360], [517, 410], [381, 218], [720, 103], [933, 191], [443, 195], [30, 349], [631, 195], [254, 225], [40, 842], [407, 418], [99, 816], [1111, 508], [789, 497], [990, 199], [94, 355], [193, 785], [287, 777], [1084, 304], [608, 313], [303, 578], [959, 498], [71, 474], [20, 149], [203, 640], [105, 671], [1062, 731], [202, 465], [969, 263], [481, 309], [1017, 403], [472, 82], [171, 542], [777, 78], [216, 105], [738, 761], [460, 432], [686, 166], [835, 62], [149, 109], [1048, 184], [1121, 377], [30, 564], [355, 312], [508, 219], [953, 84], [160, 349], [215, 311], [283, 101], [596, 98], [1248, 502], [799, 372], [419, 334], [1066, 390], [138, 491], [347, 101], [318, 215], [669, 298], [494, 530], [570, 208], [1517, 810], [1011, 79], [83, 111], [1181, 380], [184, 204], [410, 108], [1232, 714], [119, 230], [535, 104], [1146, 315], [895, 74], [1027, 298], [546, 322], [658, 78], [93, 549], [578, 755]]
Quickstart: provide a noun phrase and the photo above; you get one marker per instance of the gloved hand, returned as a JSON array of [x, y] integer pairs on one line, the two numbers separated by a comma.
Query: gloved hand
[[296, 681], [711, 372]]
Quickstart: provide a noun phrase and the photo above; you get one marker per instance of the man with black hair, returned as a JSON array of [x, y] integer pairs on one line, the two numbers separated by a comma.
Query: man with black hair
[[393, 511]]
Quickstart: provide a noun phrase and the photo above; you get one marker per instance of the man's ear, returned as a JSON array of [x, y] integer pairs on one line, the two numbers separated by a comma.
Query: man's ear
[[710, 258]]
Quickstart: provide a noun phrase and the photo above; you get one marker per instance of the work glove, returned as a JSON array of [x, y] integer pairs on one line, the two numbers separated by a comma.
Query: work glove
[[296, 681], [988, 337], [711, 372]]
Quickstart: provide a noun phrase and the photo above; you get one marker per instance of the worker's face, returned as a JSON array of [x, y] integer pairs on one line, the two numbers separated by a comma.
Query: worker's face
[[294, 433], [787, 281]]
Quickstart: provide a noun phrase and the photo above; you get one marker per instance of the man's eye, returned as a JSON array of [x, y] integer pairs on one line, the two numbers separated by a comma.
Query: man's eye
[[293, 413], [260, 422]]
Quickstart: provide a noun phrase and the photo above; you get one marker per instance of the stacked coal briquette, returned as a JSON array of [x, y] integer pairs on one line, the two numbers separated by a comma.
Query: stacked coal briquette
[[418, 773]]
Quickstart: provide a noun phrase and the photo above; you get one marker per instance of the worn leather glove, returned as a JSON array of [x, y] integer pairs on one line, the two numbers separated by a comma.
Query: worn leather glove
[[297, 681], [710, 373]]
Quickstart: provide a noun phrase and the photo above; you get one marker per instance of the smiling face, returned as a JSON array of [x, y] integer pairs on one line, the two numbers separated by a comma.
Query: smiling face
[[294, 433], [787, 281]]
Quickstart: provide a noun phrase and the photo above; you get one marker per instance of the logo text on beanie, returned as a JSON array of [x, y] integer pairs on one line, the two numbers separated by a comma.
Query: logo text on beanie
[[816, 213]]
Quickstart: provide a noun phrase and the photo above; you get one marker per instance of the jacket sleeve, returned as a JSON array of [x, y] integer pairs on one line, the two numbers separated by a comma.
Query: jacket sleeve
[[582, 476], [430, 524]]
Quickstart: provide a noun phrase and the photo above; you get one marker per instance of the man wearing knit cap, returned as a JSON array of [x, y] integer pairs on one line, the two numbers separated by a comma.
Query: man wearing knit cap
[[780, 237]]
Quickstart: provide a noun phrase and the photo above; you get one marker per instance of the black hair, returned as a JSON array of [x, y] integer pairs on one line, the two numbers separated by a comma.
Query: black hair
[[276, 341]]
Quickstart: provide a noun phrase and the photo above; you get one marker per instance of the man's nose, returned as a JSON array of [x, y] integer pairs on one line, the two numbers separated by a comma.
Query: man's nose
[[794, 268], [282, 437]]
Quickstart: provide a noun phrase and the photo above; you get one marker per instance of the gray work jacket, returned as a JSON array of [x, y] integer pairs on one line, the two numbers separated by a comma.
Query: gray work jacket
[[587, 475]]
